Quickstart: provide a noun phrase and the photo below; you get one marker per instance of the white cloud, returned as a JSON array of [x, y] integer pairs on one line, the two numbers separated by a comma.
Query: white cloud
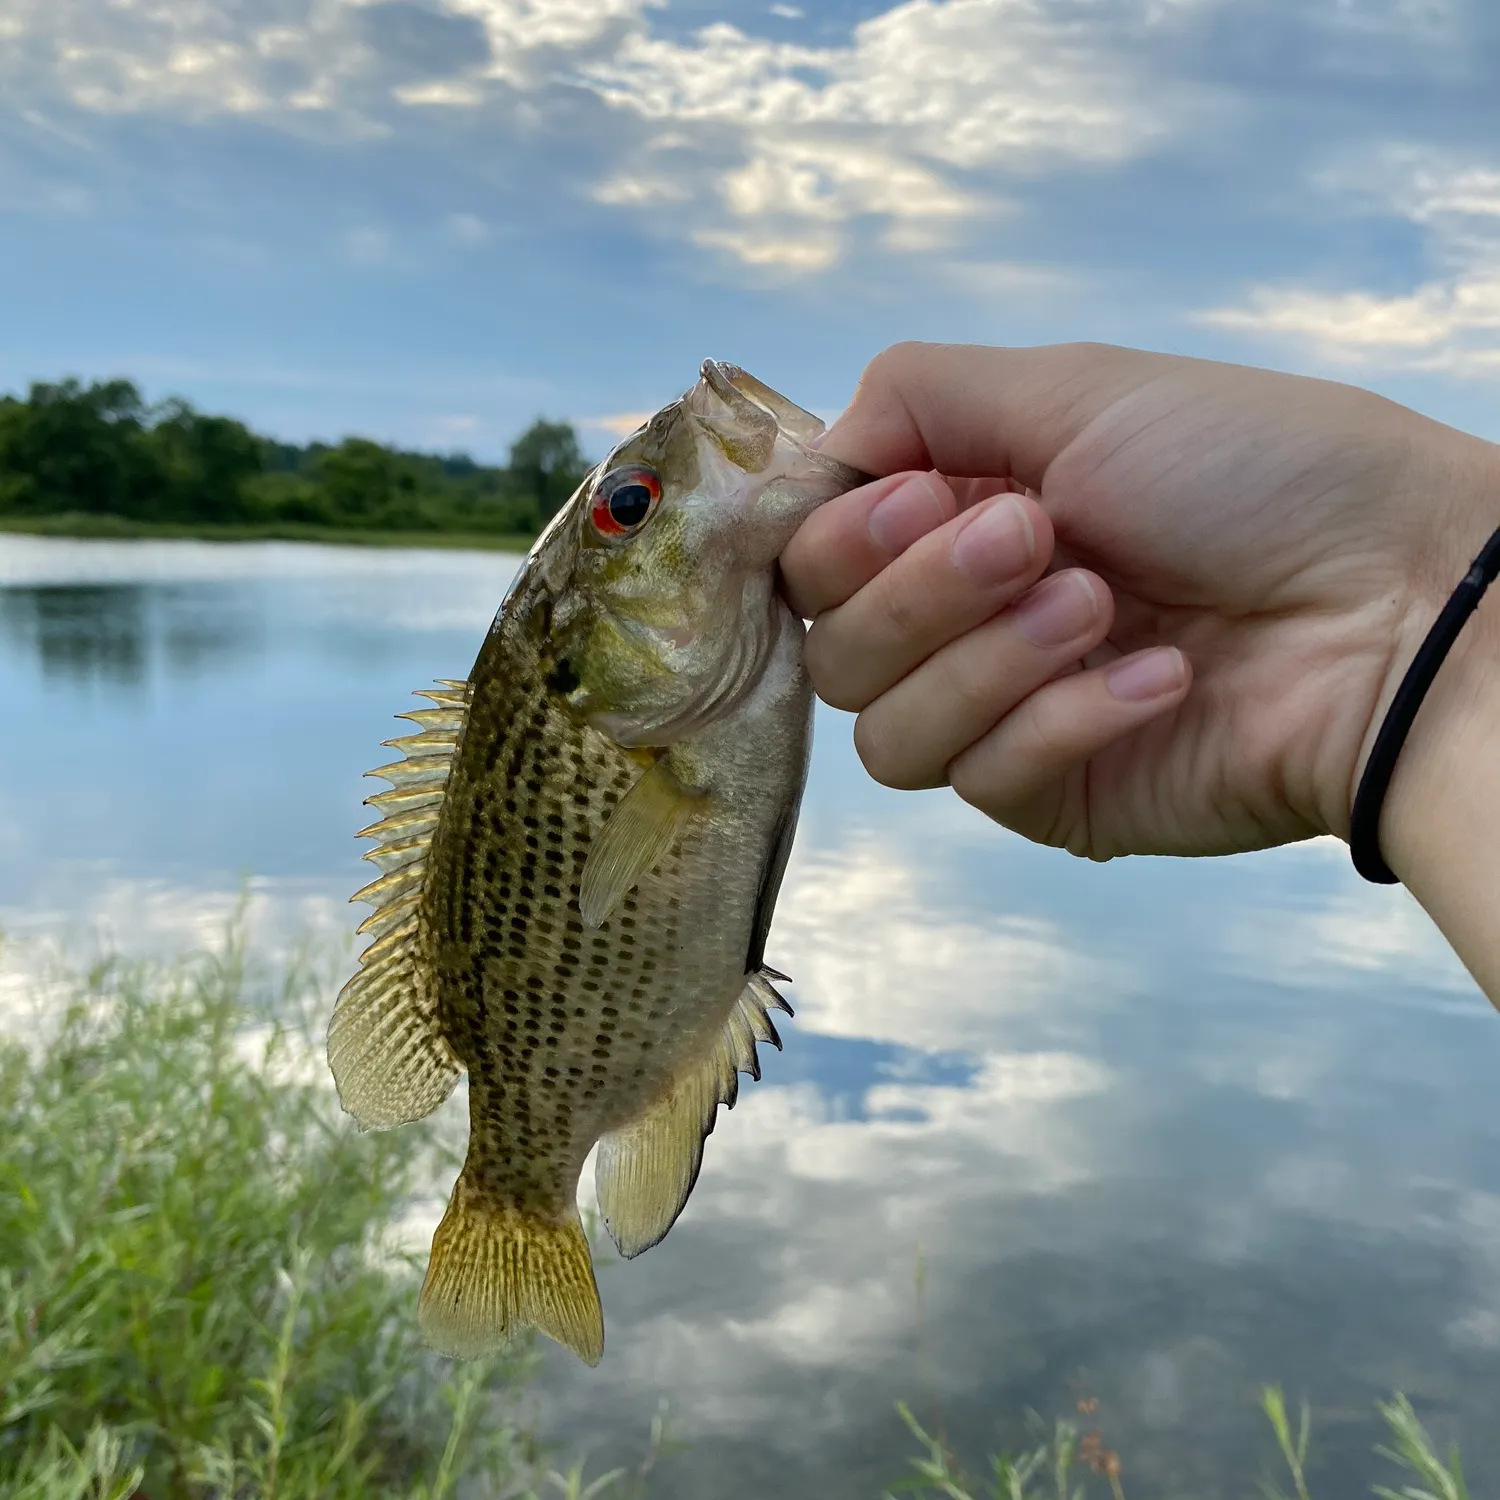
[[618, 424], [970, 81], [766, 152], [908, 971], [467, 229], [517, 28], [200, 59], [830, 182], [793, 142], [208, 57], [829, 1212], [368, 244], [628, 191], [809, 252], [1450, 321], [445, 92]]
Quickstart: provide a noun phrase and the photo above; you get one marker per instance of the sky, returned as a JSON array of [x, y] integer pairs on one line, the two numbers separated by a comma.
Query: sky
[[429, 221]]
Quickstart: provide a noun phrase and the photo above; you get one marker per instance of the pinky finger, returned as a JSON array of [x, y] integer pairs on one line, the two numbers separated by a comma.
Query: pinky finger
[[1010, 773]]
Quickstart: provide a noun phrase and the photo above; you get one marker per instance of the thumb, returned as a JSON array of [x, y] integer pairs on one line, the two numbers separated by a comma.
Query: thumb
[[972, 411]]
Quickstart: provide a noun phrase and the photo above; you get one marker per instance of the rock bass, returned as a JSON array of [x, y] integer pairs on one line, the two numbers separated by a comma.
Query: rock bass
[[582, 848]]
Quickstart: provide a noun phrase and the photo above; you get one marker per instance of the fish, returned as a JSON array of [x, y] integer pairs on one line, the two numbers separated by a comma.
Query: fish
[[581, 849]]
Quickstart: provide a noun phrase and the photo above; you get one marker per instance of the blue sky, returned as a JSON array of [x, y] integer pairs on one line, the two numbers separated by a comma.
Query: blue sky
[[431, 220]]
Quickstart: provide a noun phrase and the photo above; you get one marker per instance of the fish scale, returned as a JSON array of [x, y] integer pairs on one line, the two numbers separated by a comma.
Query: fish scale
[[532, 989], [580, 855]]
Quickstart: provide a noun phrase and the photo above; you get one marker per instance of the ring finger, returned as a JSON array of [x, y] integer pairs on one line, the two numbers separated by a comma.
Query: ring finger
[[907, 736]]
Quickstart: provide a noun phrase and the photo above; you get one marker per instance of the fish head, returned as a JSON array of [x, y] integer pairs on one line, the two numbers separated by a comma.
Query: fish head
[[670, 611]]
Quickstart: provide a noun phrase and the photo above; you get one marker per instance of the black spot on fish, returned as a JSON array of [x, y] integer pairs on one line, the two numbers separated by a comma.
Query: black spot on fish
[[563, 678]]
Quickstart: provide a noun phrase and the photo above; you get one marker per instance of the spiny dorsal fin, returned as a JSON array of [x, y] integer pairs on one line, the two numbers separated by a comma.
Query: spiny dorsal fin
[[644, 1172], [639, 834], [388, 1055]]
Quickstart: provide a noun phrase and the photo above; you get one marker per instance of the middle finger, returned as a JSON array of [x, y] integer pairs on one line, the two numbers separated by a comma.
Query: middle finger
[[944, 584]]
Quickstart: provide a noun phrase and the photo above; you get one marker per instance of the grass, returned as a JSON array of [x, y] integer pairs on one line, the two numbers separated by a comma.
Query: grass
[[106, 527], [197, 1298], [1066, 1464]]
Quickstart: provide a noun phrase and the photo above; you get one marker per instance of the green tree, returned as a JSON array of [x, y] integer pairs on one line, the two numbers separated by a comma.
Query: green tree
[[203, 463], [547, 465], [71, 447], [356, 477], [99, 449]]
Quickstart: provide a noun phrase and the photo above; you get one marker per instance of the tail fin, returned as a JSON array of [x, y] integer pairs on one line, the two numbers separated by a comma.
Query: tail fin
[[496, 1269]]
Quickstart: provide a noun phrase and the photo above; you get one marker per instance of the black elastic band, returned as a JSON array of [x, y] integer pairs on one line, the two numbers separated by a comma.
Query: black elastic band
[[1364, 820]]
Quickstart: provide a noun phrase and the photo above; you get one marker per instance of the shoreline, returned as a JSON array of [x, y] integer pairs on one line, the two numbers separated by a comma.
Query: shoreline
[[120, 529]]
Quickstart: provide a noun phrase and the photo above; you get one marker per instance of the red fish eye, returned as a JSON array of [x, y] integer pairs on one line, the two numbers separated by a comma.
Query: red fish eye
[[625, 499]]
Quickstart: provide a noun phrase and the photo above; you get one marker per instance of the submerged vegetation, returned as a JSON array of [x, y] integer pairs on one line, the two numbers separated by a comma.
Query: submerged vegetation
[[200, 1299], [97, 460]]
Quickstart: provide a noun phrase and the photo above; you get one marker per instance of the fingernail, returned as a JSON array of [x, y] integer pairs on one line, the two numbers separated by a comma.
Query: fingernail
[[910, 511], [997, 545], [1057, 611], [1148, 674]]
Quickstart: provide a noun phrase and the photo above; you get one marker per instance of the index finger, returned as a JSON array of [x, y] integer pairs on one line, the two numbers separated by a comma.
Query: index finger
[[965, 409]]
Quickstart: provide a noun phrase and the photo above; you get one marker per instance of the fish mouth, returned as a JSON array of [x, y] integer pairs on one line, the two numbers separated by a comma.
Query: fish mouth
[[750, 401]]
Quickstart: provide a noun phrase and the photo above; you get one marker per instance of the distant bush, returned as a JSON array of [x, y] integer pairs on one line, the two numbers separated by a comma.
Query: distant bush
[[99, 449]]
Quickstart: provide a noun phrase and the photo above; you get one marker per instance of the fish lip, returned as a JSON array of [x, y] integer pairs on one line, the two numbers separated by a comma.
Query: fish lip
[[720, 377]]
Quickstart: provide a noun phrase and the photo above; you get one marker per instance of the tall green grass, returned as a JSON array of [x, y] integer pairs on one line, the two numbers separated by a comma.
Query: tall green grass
[[1067, 1463], [199, 1296]]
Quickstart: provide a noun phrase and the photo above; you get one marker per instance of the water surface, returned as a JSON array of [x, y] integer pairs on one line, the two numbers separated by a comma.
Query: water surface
[[1155, 1131]]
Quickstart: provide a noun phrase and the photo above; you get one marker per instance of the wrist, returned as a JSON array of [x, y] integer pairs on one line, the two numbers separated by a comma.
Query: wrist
[[1440, 824]]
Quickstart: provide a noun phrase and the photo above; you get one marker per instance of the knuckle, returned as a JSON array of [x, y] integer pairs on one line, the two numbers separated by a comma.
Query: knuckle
[[879, 752], [967, 681], [903, 604], [828, 669], [886, 367], [799, 585], [1034, 725], [980, 788]]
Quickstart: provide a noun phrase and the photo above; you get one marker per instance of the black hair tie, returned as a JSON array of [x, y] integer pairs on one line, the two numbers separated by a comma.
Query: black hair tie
[[1364, 820]]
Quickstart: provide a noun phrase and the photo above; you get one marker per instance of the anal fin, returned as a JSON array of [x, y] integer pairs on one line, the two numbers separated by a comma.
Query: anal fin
[[496, 1270], [645, 1171]]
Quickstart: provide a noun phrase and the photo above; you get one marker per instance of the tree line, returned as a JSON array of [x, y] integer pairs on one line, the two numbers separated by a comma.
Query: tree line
[[99, 449]]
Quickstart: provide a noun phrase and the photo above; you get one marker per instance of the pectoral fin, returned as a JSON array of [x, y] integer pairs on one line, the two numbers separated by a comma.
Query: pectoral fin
[[644, 1173], [638, 836]]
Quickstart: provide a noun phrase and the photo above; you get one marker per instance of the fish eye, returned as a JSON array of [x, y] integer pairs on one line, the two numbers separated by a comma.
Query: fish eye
[[625, 498]]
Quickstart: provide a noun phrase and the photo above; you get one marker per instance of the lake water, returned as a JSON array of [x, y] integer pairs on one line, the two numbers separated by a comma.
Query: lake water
[[1155, 1132]]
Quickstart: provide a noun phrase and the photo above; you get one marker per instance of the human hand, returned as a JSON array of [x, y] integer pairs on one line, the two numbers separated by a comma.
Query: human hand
[[1258, 556]]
